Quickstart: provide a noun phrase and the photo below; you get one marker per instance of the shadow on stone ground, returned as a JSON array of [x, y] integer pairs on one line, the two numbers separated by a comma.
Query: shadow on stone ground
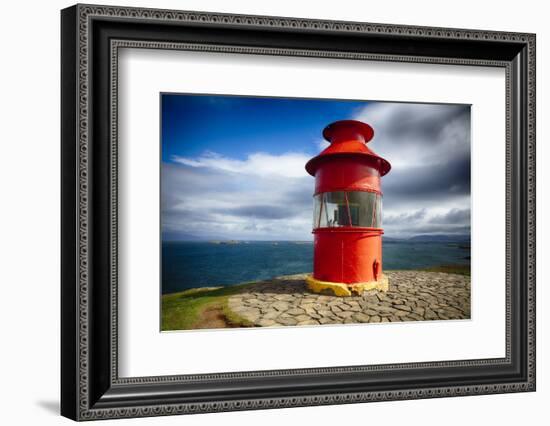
[[412, 296]]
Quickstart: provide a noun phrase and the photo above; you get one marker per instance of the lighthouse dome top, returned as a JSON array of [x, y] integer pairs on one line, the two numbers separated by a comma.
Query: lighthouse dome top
[[348, 138], [348, 130]]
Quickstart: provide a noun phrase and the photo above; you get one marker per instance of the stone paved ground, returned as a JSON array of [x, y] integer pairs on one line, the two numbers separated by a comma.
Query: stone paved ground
[[413, 296]]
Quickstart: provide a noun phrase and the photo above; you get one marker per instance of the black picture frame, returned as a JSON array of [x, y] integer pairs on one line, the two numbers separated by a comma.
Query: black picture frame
[[90, 386]]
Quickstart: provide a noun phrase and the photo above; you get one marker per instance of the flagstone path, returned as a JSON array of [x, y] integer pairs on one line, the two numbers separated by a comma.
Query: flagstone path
[[413, 296]]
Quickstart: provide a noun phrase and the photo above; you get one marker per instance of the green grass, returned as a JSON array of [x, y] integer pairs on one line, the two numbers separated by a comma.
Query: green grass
[[450, 269], [183, 310]]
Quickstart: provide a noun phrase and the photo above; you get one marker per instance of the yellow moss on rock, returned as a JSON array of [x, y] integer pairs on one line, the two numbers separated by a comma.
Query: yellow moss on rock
[[346, 290]]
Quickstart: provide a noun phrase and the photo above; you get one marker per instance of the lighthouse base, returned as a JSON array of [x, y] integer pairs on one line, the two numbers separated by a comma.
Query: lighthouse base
[[346, 290]]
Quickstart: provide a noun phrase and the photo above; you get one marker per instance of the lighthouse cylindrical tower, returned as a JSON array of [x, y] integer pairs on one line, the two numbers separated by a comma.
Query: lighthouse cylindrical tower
[[347, 214]]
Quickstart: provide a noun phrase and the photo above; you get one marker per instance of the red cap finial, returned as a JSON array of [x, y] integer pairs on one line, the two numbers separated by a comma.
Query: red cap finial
[[348, 138], [346, 130]]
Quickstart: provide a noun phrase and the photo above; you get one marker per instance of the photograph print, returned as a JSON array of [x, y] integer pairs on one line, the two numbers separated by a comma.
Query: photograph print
[[287, 212]]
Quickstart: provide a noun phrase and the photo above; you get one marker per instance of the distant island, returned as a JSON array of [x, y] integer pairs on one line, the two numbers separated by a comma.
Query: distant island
[[228, 242]]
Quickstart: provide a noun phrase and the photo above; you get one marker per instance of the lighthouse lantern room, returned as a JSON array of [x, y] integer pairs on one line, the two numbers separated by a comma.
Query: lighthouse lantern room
[[347, 214]]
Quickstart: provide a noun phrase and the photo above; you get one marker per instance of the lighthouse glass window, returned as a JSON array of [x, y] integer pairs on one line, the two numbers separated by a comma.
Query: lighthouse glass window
[[347, 208], [242, 177]]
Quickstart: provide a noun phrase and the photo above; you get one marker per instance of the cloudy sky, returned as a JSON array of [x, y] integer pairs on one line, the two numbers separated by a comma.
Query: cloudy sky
[[233, 167]]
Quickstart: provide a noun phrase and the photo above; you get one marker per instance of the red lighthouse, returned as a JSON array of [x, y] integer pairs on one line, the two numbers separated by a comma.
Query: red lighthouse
[[347, 214]]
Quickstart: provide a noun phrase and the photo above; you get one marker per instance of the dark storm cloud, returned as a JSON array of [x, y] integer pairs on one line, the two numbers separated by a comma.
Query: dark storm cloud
[[409, 125], [441, 229], [427, 183], [187, 215], [405, 217], [453, 217], [263, 212], [414, 135], [301, 194]]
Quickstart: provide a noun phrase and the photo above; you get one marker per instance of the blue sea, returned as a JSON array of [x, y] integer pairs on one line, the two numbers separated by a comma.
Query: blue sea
[[210, 264]]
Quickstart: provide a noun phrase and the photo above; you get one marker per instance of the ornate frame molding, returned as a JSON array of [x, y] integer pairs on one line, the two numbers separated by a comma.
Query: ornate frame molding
[[78, 58]]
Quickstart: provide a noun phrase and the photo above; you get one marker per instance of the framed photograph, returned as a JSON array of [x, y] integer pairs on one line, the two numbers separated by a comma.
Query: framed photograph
[[263, 212]]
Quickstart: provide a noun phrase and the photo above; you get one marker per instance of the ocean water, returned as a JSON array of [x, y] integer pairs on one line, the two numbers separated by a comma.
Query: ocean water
[[208, 264]]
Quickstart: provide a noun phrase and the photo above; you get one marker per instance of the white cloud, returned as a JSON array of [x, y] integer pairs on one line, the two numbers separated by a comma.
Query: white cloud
[[290, 165], [322, 144]]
